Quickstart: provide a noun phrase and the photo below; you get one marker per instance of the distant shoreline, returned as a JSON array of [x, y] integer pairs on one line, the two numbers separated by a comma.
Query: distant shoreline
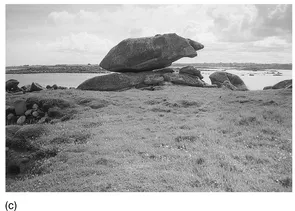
[[64, 68]]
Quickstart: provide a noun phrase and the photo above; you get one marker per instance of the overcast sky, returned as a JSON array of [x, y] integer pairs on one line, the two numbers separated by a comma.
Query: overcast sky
[[81, 34]]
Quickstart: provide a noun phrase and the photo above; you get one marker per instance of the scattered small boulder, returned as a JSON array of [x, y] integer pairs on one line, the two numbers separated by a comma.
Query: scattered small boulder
[[190, 70], [285, 84], [282, 84], [220, 77], [28, 112], [21, 120], [12, 85], [35, 87], [20, 107], [35, 107], [26, 88], [35, 114]]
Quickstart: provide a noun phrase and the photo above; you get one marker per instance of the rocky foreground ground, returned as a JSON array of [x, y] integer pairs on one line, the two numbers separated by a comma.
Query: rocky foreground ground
[[174, 138]]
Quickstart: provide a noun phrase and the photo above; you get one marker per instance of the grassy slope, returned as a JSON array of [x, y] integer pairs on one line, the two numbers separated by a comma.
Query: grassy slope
[[176, 139]]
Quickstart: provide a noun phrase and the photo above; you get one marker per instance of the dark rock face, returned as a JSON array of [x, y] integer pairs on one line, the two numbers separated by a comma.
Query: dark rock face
[[190, 70], [282, 84], [149, 53], [11, 85], [219, 78], [164, 70]]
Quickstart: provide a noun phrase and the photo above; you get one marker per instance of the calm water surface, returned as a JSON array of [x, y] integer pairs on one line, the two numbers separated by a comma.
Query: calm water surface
[[259, 79]]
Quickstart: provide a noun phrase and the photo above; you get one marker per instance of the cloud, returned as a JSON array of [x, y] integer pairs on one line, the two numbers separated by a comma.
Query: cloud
[[81, 17], [80, 43], [246, 23]]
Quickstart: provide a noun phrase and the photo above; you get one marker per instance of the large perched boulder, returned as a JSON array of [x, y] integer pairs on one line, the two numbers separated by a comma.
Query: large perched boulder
[[11, 85], [219, 78], [149, 53], [190, 70]]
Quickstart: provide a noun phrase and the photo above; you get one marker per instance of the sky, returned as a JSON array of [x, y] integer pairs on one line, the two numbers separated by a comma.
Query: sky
[[81, 34]]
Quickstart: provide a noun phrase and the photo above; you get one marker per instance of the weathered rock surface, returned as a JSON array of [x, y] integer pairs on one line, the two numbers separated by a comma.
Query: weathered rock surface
[[153, 79], [184, 79], [282, 84], [190, 70], [35, 87], [110, 82], [149, 53], [285, 84], [228, 85], [21, 120], [219, 78]]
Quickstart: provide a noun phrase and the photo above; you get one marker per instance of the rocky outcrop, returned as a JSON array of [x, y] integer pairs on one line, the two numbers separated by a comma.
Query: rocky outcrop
[[36, 110], [12, 85], [35, 87], [219, 78], [285, 84], [282, 84], [190, 70], [149, 53]]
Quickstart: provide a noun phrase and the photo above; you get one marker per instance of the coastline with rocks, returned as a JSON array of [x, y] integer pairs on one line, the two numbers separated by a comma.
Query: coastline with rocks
[[146, 125]]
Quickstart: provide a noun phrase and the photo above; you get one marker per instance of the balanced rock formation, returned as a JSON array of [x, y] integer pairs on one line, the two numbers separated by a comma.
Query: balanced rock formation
[[128, 80], [149, 53], [219, 78]]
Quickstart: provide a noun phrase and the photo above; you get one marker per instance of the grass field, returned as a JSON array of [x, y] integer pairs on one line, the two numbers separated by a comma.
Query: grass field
[[173, 139]]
